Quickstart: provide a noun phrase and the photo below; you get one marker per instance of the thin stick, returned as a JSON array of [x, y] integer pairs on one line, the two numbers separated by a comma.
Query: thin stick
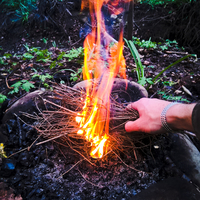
[[17, 152], [70, 169], [62, 153], [33, 142], [130, 166], [76, 152], [100, 186], [56, 137], [60, 107]]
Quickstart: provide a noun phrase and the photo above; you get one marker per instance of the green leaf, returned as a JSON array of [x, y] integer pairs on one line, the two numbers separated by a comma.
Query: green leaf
[[46, 85], [62, 82], [15, 90], [74, 53], [142, 81], [52, 65], [45, 60], [44, 40], [61, 56], [35, 75], [149, 80], [27, 86], [44, 77], [2, 98], [34, 49], [14, 63], [7, 55], [17, 84], [1, 61], [27, 47], [28, 56], [164, 47]]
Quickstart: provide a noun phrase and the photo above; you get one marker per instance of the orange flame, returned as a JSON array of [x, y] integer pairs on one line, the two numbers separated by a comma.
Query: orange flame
[[94, 122]]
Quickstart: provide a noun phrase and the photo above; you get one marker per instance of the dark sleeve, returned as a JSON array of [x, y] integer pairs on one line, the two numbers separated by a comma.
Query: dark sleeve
[[196, 119]]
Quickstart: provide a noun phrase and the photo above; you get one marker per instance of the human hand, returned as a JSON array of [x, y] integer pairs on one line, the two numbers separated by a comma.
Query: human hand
[[149, 116], [178, 117]]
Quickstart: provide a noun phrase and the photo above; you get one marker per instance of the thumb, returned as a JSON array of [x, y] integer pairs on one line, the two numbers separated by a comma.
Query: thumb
[[133, 126]]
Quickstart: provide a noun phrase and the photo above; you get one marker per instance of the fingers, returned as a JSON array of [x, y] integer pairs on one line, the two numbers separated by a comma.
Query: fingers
[[132, 126], [131, 106], [137, 104]]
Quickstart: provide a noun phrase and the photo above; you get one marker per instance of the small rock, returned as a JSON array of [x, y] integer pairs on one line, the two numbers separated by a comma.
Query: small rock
[[146, 62], [178, 92]]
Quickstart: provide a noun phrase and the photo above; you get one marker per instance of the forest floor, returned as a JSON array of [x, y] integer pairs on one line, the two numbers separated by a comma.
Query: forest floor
[[39, 57]]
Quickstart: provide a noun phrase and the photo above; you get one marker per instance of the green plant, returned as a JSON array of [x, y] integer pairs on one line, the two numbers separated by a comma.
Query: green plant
[[76, 75], [28, 56], [23, 12], [164, 2], [22, 84], [2, 98], [43, 55], [54, 44], [45, 40], [170, 97], [26, 46], [2, 152], [42, 78], [2, 61], [171, 65], [21, 8], [144, 44], [74, 54], [160, 45], [168, 44], [169, 83], [39, 55], [142, 80], [7, 55]]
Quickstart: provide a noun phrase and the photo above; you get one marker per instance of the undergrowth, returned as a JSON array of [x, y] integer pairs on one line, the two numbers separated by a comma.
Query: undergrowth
[[34, 56], [153, 3], [22, 8]]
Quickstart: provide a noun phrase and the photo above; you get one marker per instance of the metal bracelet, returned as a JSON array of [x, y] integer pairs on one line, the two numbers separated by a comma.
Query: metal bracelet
[[163, 117]]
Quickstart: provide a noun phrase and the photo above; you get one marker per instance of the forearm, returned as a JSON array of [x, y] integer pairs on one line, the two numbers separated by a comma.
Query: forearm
[[179, 117], [158, 116]]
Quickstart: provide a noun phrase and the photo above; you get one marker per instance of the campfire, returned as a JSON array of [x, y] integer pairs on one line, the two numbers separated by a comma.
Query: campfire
[[92, 114]]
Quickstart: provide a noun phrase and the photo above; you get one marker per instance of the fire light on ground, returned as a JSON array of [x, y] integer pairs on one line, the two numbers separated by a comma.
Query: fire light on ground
[[103, 61]]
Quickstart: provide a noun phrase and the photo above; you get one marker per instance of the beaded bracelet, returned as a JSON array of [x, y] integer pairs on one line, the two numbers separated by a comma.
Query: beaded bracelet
[[163, 117]]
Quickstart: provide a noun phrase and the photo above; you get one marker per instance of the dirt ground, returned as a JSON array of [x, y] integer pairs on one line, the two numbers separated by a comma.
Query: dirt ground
[[35, 174]]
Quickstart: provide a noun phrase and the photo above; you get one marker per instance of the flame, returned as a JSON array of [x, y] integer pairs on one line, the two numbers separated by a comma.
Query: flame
[[102, 64]]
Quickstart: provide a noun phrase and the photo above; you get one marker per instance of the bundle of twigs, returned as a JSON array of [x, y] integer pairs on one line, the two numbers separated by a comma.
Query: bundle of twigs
[[57, 121]]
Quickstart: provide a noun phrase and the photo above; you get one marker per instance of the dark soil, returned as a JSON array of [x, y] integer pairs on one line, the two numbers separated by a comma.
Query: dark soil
[[54, 171], [35, 174]]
